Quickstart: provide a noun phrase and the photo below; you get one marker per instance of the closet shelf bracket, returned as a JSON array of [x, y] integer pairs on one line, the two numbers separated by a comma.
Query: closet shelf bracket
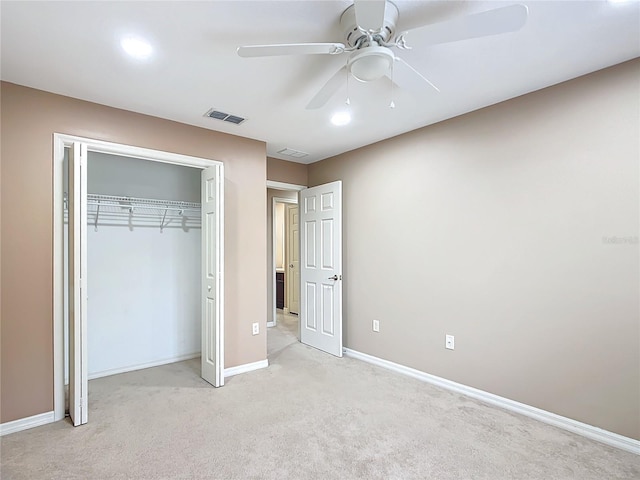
[[95, 223], [163, 217]]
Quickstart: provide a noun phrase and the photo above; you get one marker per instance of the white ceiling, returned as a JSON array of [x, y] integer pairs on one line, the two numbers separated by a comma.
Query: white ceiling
[[73, 49]]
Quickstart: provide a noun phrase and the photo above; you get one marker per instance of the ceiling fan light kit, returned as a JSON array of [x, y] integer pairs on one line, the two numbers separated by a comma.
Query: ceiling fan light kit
[[369, 28], [370, 63]]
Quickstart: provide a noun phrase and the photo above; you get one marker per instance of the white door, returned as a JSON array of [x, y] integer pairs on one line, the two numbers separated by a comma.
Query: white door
[[293, 257], [78, 371], [321, 267], [212, 295]]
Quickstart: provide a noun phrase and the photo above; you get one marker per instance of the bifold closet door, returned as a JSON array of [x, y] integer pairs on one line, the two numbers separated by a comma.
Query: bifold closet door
[[78, 365], [212, 296]]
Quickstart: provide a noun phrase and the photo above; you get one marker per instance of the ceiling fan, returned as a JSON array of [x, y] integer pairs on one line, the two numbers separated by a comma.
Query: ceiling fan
[[370, 34]]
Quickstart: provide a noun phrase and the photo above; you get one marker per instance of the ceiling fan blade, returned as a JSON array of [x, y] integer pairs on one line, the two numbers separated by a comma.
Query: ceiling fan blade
[[329, 89], [370, 14], [291, 49], [407, 77], [491, 22]]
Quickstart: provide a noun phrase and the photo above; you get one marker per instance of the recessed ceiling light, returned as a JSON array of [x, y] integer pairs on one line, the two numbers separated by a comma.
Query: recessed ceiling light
[[136, 47], [341, 118]]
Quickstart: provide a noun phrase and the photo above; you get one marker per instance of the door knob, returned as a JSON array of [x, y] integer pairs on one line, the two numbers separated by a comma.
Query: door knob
[[208, 288], [335, 277], [291, 265]]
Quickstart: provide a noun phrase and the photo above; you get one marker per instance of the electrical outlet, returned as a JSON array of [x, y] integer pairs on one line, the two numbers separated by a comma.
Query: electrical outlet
[[376, 325], [449, 342], [256, 328]]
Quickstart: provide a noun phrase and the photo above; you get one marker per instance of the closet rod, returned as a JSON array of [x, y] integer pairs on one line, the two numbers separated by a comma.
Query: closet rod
[[131, 207]]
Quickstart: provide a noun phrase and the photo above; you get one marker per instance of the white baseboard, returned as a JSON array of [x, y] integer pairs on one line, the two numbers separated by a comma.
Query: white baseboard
[[247, 367], [25, 423], [141, 366], [271, 324], [583, 429]]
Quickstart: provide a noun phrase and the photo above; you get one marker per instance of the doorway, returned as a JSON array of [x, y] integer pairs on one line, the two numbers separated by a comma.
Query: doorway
[[209, 288], [285, 270], [283, 264], [143, 259], [319, 324]]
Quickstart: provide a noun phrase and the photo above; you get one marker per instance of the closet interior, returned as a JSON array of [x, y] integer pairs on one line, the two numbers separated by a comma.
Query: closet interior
[[143, 260]]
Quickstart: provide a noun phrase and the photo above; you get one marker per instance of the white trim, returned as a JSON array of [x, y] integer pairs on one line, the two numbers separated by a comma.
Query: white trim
[[220, 227], [61, 140], [579, 428], [271, 324], [247, 367], [58, 281], [284, 186], [136, 152], [27, 422], [142, 366]]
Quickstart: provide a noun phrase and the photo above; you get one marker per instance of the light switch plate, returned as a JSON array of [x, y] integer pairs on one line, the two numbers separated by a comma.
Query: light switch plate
[[449, 342]]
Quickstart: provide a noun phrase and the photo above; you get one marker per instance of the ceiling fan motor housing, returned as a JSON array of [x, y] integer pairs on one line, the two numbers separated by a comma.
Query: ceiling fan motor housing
[[352, 32]]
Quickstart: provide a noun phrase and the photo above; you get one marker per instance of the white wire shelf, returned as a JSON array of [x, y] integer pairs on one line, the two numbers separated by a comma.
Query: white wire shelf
[[112, 210]]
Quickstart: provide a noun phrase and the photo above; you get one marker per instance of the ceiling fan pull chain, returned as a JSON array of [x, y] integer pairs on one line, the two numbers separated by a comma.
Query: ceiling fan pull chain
[[392, 104], [348, 102]]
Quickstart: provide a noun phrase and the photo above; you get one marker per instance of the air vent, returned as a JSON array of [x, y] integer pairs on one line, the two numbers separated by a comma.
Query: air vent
[[225, 117], [290, 152]]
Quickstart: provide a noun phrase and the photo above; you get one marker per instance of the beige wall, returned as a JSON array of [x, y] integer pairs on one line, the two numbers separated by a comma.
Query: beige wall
[[287, 172], [29, 119], [270, 195], [491, 227]]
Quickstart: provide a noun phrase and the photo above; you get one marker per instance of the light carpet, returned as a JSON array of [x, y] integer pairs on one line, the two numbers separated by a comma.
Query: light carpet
[[307, 416]]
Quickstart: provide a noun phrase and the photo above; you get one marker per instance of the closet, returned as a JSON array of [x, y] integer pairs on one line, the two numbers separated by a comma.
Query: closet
[[144, 263]]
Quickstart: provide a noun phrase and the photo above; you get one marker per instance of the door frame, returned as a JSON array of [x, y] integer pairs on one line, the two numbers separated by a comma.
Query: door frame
[[286, 187], [60, 141]]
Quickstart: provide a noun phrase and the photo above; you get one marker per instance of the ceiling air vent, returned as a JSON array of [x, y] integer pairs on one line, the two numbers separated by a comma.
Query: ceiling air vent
[[225, 117], [290, 152]]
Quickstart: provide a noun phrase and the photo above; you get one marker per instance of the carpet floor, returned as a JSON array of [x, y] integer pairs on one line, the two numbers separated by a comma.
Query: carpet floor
[[307, 416]]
